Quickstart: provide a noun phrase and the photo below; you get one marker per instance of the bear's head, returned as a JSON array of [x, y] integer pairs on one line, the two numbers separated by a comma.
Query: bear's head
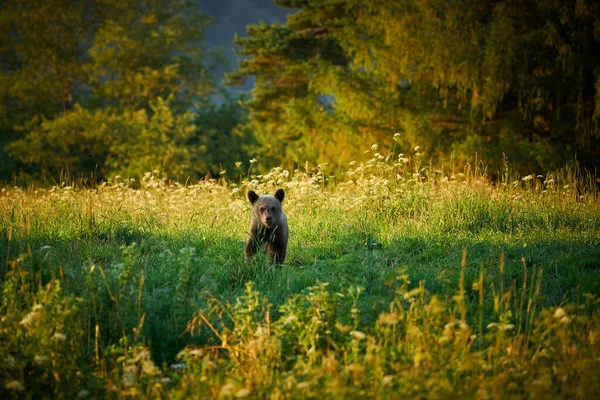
[[267, 208]]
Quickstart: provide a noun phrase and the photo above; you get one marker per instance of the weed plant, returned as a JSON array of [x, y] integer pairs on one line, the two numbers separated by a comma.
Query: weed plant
[[402, 279]]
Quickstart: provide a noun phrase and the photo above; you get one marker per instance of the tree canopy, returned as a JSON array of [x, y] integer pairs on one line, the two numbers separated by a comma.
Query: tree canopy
[[456, 78], [111, 87]]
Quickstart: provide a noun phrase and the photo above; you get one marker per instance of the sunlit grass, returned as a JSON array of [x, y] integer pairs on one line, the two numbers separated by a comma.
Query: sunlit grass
[[402, 279]]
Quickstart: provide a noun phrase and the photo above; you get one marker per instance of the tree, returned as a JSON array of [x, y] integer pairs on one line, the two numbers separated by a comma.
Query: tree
[[111, 87], [519, 77]]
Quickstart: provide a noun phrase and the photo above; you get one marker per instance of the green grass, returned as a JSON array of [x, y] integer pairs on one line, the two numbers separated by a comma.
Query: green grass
[[400, 281]]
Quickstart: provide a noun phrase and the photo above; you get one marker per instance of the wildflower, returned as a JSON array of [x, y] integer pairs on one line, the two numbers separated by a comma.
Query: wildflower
[[28, 320], [223, 172], [417, 148], [386, 380], [501, 327], [226, 390], [40, 359], [303, 385], [559, 313], [374, 147], [253, 161], [396, 135], [14, 385], [242, 393], [238, 164], [358, 335], [260, 331], [59, 336], [528, 178]]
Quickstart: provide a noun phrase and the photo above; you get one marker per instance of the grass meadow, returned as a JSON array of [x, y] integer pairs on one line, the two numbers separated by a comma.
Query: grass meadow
[[401, 280]]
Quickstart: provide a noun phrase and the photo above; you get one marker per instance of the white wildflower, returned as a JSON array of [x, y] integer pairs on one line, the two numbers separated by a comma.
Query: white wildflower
[[242, 393], [358, 335], [14, 385], [59, 336], [28, 320], [559, 313]]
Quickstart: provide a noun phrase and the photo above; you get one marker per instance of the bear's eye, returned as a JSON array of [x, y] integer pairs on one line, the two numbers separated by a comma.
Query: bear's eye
[[262, 209], [272, 208]]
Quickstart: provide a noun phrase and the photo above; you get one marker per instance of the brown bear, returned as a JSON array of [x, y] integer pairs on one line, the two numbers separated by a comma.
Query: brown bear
[[268, 227]]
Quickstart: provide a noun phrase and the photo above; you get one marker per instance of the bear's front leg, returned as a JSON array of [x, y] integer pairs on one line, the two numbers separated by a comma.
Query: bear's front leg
[[277, 249], [252, 245]]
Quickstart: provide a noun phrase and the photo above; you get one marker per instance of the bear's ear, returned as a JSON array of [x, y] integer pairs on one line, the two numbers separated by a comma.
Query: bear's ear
[[279, 195], [252, 196]]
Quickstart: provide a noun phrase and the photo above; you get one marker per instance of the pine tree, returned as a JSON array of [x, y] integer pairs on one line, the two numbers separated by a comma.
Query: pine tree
[[462, 78]]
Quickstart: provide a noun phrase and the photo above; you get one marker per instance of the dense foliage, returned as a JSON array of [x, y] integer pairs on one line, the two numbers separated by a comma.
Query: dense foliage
[[455, 78], [110, 87], [400, 281]]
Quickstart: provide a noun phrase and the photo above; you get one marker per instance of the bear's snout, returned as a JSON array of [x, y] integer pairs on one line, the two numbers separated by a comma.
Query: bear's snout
[[269, 219]]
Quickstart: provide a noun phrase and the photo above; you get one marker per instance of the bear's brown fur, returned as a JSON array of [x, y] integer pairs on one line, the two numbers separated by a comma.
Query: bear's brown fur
[[268, 227]]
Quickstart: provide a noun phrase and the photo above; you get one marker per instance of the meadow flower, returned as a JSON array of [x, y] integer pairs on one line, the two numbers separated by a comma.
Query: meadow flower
[[260, 332], [40, 359], [303, 385], [242, 393], [374, 147], [14, 385], [59, 336], [500, 327], [227, 390], [559, 313], [253, 160], [358, 335], [28, 320]]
